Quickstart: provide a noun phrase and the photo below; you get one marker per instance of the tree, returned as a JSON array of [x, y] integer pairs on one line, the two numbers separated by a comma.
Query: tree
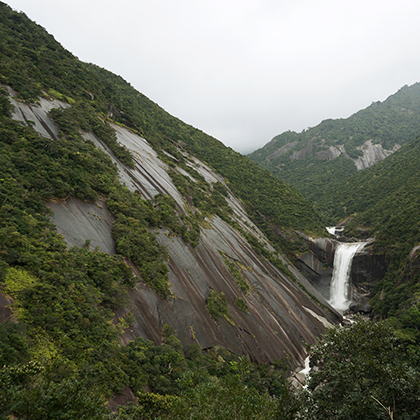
[[362, 372], [33, 391]]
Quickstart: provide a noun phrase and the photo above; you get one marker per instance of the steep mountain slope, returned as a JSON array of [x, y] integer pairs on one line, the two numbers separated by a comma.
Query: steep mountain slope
[[34, 63], [192, 233], [318, 158]]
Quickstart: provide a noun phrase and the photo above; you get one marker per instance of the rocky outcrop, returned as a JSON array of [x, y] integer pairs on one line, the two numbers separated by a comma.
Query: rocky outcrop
[[125, 397], [84, 223], [282, 150], [317, 263], [372, 153], [304, 153], [366, 270], [5, 312], [36, 115], [282, 313], [277, 321], [331, 153]]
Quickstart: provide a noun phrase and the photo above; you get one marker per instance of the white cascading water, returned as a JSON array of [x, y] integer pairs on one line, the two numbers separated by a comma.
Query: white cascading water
[[339, 288], [331, 230], [335, 230]]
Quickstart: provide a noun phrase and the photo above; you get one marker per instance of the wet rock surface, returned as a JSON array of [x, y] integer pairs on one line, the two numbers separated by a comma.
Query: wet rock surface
[[367, 269], [317, 263], [280, 319], [281, 316]]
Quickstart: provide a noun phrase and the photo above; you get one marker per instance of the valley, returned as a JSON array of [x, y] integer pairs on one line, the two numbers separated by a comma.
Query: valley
[[148, 271]]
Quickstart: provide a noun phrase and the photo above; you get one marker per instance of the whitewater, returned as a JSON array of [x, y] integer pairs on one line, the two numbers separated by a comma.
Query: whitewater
[[339, 289]]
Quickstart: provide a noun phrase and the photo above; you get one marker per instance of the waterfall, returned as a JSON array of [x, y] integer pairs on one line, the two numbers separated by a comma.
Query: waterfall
[[331, 230], [335, 230], [339, 288]]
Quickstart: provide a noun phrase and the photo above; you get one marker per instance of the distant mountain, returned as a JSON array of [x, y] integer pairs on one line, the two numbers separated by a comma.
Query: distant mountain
[[320, 157], [363, 172]]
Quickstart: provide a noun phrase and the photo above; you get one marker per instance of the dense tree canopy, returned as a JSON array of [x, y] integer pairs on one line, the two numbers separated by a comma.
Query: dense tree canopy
[[305, 160], [363, 372]]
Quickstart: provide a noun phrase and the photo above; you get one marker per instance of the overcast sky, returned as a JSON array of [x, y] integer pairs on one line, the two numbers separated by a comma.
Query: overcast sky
[[245, 70]]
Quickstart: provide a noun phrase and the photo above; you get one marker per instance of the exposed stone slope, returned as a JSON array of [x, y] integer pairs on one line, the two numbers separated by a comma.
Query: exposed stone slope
[[282, 316]]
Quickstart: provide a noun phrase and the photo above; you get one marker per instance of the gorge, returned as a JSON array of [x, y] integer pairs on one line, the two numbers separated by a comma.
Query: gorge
[[143, 263]]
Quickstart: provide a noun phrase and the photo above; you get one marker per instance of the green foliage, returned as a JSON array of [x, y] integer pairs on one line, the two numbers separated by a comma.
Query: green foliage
[[14, 345], [135, 241], [383, 203], [186, 226], [6, 107], [156, 405], [65, 299], [272, 204], [208, 199], [97, 96], [241, 304], [224, 400], [362, 370], [34, 61], [243, 285], [81, 116], [34, 391], [303, 160], [36, 168], [200, 380], [169, 369], [16, 281], [217, 307]]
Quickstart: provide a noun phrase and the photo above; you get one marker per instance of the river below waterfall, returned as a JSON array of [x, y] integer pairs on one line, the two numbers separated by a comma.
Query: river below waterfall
[[339, 289]]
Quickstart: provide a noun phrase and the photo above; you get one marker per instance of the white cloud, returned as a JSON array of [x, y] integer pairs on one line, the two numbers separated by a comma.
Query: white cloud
[[245, 71]]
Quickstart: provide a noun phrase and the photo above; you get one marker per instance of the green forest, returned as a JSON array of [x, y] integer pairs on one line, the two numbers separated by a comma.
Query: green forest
[[61, 357], [382, 202], [395, 121]]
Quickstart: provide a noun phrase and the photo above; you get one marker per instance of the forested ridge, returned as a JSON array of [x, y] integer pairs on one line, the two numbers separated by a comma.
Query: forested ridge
[[61, 357], [382, 202], [48, 68], [379, 202], [305, 160]]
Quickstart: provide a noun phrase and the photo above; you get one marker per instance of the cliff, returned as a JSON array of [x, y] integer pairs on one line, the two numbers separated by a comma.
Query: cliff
[[280, 317]]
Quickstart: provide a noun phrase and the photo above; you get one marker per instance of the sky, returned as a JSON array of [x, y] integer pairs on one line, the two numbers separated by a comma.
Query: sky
[[245, 71]]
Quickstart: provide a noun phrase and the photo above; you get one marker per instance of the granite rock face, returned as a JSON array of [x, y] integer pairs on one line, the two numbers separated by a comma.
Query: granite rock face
[[372, 153], [283, 314], [5, 312], [366, 270], [317, 263]]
